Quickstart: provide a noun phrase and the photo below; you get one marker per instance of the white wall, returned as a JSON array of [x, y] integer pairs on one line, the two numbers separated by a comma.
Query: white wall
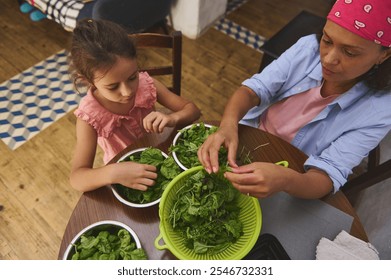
[[193, 17]]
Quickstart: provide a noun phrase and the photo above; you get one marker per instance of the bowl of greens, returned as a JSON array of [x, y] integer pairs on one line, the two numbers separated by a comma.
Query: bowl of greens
[[203, 217], [187, 141], [166, 167], [105, 240]]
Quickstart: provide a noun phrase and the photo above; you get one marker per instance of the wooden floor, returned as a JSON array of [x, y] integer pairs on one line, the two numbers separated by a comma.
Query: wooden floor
[[36, 199]]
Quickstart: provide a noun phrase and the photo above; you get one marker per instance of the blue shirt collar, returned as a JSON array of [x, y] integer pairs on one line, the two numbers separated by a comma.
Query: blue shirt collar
[[346, 99]]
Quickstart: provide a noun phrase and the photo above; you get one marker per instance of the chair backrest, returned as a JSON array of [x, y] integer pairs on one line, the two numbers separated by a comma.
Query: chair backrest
[[304, 23], [173, 43], [367, 179]]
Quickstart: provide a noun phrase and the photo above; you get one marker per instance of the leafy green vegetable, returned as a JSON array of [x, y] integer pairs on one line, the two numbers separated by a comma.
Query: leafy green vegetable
[[190, 140], [151, 156], [206, 213], [108, 246], [167, 169]]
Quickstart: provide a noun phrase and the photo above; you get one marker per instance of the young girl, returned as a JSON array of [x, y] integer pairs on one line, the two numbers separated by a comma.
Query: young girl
[[118, 108]]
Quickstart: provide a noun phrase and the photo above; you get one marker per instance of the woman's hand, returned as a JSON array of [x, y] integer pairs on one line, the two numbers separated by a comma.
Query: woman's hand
[[259, 179], [134, 175], [157, 121], [208, 153], [262, 179]]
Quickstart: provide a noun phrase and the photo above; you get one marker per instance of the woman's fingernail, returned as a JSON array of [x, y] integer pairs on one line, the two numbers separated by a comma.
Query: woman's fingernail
[[215, 169]]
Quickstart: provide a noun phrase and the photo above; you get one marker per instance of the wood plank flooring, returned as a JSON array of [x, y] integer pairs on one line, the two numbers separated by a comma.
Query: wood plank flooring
[[35, 194]]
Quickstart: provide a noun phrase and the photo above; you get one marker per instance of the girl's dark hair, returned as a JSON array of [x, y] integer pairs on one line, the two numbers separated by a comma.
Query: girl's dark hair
[[96, 45], [379, 77]]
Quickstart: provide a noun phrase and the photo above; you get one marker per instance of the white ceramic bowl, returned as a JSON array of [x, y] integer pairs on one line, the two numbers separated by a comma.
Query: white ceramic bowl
[[111, 226], [174, 142], [123, 199]]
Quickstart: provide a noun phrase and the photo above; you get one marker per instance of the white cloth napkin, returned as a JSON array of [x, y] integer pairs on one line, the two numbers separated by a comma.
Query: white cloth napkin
[[345, 247]]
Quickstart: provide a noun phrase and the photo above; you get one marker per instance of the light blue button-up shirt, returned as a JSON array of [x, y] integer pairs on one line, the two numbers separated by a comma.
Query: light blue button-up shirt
[[344, 132]]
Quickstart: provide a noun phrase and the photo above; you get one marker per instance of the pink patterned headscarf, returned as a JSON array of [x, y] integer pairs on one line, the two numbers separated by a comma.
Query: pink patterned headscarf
[[370, 19]]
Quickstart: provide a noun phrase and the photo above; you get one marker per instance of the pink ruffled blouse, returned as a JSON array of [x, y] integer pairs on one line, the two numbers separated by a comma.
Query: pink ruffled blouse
[[115, 132]]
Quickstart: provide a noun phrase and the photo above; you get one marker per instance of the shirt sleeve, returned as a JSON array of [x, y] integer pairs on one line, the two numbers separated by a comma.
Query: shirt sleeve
[[347, 151]]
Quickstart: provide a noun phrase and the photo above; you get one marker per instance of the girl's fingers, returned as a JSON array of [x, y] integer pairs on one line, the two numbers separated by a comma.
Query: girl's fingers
[[146, 182], [137, 186], [155, 124], [162, 125]]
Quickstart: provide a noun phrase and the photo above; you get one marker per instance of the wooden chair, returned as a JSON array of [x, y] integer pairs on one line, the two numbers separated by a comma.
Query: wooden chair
[[173, 43]]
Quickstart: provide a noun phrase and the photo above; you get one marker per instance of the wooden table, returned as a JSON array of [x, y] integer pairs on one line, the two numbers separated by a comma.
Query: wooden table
[[101, 204]]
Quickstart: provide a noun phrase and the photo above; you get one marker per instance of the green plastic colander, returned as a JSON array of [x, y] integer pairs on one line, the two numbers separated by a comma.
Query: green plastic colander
[[250, 216]]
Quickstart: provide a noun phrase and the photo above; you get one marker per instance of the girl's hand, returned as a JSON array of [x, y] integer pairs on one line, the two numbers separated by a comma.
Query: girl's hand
[[134, 175], [259, 179], [208, 153], [157, 121]]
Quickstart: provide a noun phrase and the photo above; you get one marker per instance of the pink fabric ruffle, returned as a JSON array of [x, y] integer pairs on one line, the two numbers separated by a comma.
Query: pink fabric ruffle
[[114, 131]]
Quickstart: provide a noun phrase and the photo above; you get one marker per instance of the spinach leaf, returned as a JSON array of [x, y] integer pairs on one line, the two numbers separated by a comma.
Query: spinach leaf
[[107, 246], [151, 156], [206, 214], [170, 169]]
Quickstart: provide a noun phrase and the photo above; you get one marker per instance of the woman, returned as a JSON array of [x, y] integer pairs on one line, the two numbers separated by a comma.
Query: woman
[[330, 99]]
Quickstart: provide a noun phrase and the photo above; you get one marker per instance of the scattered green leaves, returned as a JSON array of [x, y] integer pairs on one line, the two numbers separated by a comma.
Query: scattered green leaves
[[206, 213], [167, 169], [108, 246]]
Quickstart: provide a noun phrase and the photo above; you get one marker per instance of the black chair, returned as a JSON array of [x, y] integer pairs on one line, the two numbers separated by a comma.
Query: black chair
[[303, 24]]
